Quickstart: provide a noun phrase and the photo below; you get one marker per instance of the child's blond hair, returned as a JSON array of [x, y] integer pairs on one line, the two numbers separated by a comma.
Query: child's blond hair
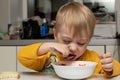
[[76, 17]]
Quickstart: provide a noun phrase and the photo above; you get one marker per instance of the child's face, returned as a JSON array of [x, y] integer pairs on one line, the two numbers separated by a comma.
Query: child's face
[[77, 45]]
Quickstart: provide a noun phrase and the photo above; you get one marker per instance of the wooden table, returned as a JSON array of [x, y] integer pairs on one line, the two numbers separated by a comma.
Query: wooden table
[[52, 76]]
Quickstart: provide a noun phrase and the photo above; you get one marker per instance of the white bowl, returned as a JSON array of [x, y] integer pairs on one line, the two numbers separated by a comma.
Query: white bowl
[[74, 69]]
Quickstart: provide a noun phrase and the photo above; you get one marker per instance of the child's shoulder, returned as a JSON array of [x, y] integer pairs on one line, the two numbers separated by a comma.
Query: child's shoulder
[[90, 55], [91, 52]]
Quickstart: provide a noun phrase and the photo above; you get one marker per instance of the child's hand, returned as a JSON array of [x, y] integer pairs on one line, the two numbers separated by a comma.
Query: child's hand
[[52, 46], [106, 61], [61, 48]]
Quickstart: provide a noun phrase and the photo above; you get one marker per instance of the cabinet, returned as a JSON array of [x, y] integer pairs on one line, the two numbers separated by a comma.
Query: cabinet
[[106, 49], [7, 58], [10, 11], [114, 51], [98, 49], [105, 30]]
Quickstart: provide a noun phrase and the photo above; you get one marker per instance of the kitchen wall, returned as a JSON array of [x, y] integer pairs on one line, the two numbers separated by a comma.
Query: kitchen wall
[[14, 10], [4, 14], [10, 11]]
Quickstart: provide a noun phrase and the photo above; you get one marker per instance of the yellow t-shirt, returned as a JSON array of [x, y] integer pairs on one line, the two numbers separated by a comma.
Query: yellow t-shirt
[[29, 58]]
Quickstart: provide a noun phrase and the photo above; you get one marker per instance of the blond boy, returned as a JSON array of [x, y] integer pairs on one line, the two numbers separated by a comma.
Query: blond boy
[[72, 32]]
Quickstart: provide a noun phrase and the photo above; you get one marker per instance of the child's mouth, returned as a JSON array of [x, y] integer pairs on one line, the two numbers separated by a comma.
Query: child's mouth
[[71, 57]]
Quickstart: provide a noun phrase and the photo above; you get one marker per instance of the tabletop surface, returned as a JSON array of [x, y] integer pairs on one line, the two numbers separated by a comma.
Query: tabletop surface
[[52, 76], [95, 42]]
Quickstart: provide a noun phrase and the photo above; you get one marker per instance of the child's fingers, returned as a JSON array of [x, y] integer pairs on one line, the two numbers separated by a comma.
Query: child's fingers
[[108, 69], [107, 55], [65, 54], [107, 66], [106, 58], [106, 61], [101, 56]]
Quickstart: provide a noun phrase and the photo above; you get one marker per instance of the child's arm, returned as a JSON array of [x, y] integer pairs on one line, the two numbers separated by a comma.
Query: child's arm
[[47, 47], [34, 56], [28, 57]]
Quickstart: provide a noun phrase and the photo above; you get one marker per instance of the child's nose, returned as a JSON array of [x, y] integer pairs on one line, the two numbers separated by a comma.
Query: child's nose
[[72, 47]]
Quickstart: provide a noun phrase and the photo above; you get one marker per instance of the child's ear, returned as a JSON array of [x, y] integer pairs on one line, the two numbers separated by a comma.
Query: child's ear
[[55, 34]]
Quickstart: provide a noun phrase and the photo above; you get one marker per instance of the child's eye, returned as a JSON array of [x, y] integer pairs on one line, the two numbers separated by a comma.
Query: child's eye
[[81, 44], [66, 42]]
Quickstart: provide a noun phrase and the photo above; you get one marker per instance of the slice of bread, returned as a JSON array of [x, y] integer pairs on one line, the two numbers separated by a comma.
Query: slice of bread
[[9, 76]]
